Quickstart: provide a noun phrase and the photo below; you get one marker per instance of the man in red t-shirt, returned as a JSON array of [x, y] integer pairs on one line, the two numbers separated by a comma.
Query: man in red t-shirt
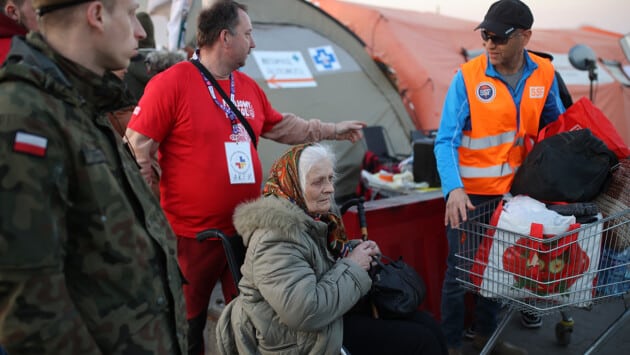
[[208, 159], [17, 17]]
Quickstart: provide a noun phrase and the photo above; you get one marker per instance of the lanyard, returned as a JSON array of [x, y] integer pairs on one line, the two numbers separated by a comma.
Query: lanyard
[[228, 112], [233, 113]]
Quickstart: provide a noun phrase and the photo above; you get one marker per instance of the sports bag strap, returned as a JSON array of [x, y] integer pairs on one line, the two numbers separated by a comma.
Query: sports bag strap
[[236, 111]]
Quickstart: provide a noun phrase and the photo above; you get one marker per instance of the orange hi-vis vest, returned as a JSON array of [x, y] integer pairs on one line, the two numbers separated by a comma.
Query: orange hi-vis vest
[[494, 148]]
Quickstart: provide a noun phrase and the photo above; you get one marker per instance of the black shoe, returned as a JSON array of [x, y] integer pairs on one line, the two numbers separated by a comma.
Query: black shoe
[[469, 333]]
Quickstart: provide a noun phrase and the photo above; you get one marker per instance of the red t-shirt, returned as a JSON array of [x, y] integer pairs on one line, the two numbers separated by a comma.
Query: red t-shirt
[[178, 111]]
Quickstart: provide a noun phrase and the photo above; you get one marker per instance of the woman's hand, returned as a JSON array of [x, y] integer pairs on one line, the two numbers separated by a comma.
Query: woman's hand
[[362, 254], [372, 245]]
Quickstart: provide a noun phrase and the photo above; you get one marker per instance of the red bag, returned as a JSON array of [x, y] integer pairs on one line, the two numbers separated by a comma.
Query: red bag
[[583, 114]]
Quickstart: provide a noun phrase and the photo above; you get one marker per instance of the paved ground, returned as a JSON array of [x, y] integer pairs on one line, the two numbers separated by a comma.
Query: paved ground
[[588, 326], [214, 310]]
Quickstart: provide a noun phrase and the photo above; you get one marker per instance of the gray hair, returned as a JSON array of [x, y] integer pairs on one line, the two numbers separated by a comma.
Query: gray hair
[[311, 155], [159, 60]]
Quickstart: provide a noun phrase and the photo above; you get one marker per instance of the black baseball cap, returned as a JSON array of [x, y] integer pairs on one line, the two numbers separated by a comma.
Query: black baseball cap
[[505, 16]]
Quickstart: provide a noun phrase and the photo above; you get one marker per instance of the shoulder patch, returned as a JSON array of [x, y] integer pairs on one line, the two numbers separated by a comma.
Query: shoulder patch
[[29, 143], [92, 155]]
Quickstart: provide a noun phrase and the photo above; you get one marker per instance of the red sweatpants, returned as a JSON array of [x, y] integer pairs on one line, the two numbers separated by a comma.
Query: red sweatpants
[[203, 264]]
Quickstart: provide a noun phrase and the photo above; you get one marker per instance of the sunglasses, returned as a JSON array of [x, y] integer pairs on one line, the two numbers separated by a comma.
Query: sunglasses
[[498, 40]]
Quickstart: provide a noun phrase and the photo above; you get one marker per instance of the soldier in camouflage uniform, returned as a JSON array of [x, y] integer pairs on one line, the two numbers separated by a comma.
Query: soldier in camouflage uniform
[[87, 258]]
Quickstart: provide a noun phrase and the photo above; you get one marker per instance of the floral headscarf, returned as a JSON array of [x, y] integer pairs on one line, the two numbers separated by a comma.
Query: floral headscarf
[[284, 182]]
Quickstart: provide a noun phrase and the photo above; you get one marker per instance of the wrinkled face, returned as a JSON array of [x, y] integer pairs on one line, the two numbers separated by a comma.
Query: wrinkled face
[[319, 189], [501, 55], [241, 40], [27, 16], [122, 31]]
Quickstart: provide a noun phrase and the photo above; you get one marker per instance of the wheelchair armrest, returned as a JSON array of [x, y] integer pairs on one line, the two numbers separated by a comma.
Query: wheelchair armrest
[[210, 233]]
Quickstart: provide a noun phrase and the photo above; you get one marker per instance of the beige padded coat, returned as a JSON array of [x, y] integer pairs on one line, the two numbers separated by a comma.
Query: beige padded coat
[[293, 294]]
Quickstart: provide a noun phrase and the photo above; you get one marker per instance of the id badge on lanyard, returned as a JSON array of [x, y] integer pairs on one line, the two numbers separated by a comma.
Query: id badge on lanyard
[[240, 163], [238, 153]]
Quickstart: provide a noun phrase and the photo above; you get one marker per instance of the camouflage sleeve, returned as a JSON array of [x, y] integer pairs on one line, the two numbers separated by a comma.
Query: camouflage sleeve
[[37, 315]]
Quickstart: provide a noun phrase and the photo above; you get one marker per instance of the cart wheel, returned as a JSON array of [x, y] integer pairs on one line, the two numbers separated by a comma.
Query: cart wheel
[[563, 332]]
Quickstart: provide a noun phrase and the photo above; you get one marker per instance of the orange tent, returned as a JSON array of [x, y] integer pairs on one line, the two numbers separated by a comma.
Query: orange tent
[[423, 51]]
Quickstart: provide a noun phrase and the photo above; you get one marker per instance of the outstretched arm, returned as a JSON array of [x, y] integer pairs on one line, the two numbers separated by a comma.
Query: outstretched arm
[[295, 130]]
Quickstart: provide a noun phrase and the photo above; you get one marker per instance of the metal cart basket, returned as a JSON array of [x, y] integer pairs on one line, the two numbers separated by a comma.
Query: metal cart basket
[[545, 274]]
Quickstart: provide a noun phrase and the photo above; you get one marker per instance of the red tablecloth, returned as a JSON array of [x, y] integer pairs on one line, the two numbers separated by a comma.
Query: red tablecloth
[[411, 226]]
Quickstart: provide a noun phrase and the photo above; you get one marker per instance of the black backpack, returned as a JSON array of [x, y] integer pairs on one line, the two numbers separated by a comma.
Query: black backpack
[[573, 166]]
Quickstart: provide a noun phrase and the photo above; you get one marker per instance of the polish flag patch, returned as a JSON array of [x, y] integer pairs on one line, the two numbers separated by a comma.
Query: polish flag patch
[[30, 144]]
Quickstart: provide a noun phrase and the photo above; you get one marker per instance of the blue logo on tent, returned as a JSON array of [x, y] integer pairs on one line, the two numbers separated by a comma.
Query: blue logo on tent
[[324, 58]]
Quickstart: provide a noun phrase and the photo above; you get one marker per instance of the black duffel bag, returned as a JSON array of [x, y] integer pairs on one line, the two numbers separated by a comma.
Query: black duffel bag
[[573, 166]]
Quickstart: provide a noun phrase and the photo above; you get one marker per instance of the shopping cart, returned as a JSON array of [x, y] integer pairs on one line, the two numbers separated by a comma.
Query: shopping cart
[[578, 269]]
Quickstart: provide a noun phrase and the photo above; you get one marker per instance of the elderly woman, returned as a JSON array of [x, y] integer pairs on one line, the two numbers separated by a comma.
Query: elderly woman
[[301, 277]]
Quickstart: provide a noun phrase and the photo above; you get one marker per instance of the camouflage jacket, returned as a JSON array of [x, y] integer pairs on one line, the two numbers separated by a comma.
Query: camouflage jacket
[[87, 258]]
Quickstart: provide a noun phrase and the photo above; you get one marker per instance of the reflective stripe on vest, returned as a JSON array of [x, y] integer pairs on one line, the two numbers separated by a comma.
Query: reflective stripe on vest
[[492, 171], [487, 142], [494, 148]]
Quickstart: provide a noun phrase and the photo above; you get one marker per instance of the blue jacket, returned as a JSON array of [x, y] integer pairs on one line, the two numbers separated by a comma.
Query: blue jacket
[[456, 118]]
